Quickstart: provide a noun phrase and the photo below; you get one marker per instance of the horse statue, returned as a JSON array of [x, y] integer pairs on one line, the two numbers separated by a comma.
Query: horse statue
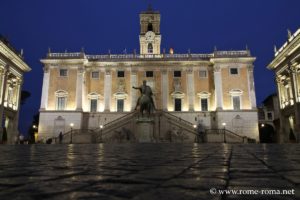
[[145, 105], [145, 101]]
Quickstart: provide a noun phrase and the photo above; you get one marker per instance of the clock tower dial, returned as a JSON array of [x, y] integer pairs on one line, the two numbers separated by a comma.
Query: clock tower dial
[[150, 36]]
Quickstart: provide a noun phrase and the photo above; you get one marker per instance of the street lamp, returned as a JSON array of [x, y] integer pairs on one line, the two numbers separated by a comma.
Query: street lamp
[[35, 133], [224, 130], [71, 125], [101, 127], [262, 125]]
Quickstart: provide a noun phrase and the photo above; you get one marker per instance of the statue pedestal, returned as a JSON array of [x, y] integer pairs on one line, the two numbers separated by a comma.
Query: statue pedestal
[[145, 128]]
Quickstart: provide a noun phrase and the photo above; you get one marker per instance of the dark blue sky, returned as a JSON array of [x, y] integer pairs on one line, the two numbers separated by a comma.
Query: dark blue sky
[[99, 25]]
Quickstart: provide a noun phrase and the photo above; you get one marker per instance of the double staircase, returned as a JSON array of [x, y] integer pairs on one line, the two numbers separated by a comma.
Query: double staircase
[[166, 128]]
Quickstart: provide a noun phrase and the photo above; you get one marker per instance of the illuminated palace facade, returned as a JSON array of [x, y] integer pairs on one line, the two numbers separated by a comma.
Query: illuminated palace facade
[[286, 65], [92, 90], [12, 68]]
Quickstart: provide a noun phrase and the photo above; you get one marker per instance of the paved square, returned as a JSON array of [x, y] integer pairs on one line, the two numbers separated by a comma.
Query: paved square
[[147, 171]]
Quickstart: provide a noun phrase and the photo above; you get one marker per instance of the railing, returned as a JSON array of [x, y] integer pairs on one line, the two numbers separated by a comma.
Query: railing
[[232, 53], [66, 55], [68, 137], [114, 125], [228, 136]]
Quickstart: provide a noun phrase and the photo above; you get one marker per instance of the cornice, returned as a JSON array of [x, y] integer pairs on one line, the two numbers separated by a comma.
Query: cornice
[[289, 48], [15, 59]]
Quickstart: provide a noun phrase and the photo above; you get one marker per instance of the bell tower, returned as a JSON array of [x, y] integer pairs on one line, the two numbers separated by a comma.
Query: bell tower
[[150, 37]]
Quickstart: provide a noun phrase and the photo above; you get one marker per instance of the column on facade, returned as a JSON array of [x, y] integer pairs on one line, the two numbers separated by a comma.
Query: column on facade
[[165, 90], [107, 90], [17, 106], [293, 71], [218, 87], [3, 91], [190, 89], [293, 74], [45, 89], [279, 91], [251, 87], [79, 88], [2, 77], [133, 82], [17, 94]]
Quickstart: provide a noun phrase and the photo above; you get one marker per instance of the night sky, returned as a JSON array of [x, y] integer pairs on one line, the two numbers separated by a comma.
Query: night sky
[[98, 25]]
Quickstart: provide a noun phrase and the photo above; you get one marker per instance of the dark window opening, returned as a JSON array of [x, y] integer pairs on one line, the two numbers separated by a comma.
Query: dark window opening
[[150, 27], [204, 105], [270, 116], [150, 48], [177, 104], [177, 73], [149, 73], [234, 71], [121, 74]]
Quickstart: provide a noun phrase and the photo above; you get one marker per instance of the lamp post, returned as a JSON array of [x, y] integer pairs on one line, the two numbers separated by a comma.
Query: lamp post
[[35, 133], [224, 130], [101, 127], [71, 137]]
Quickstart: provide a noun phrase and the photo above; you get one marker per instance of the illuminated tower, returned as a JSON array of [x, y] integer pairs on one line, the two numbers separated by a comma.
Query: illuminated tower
[[150, 37]]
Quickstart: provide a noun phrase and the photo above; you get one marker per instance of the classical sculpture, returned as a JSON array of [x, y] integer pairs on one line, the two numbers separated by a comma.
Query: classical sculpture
[[145, 101]]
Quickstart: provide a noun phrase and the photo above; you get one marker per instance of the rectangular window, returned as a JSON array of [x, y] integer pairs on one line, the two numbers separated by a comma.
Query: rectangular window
[[177, 73], [270, 116], [61, 103], [94, 103], [204, 104], [121, 74], [120, 105], [95, 75], [203, 74], [234, 71], [236, 101], [63, 72], [149, 73], [177, 104]]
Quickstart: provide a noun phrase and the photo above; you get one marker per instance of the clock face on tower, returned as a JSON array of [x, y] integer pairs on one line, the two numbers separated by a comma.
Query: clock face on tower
[[150, 36]]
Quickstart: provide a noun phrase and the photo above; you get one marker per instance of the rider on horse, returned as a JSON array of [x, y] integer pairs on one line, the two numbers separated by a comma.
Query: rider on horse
[[145, 90]]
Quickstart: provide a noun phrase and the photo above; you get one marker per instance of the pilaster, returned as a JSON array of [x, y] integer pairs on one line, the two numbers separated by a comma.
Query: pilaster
[[165, 89], [45, 89], [218, 87], [251, 88], [190, 89], [79, 88], [107, 90]]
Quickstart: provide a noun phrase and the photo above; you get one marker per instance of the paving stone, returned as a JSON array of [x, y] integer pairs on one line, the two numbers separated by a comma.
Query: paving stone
[[146, 171]]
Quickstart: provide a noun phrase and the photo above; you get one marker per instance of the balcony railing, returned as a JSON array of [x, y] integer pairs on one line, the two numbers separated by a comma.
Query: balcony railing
[[150, 56]]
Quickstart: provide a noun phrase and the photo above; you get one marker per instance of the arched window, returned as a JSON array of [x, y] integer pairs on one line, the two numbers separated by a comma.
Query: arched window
[[61, 99], [150, 27], [94, 100], [236, 98], [150, 48]]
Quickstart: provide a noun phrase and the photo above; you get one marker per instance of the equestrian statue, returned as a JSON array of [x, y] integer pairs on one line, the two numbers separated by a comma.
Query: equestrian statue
[[145, 101]]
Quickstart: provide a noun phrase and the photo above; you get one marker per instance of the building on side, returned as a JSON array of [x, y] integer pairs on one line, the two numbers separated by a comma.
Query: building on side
[[268, 119], [12, 68], [88, 91], [286, 66]]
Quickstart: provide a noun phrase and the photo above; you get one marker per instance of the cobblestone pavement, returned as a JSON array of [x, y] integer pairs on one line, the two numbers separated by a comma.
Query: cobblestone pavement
[[147, 171]]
